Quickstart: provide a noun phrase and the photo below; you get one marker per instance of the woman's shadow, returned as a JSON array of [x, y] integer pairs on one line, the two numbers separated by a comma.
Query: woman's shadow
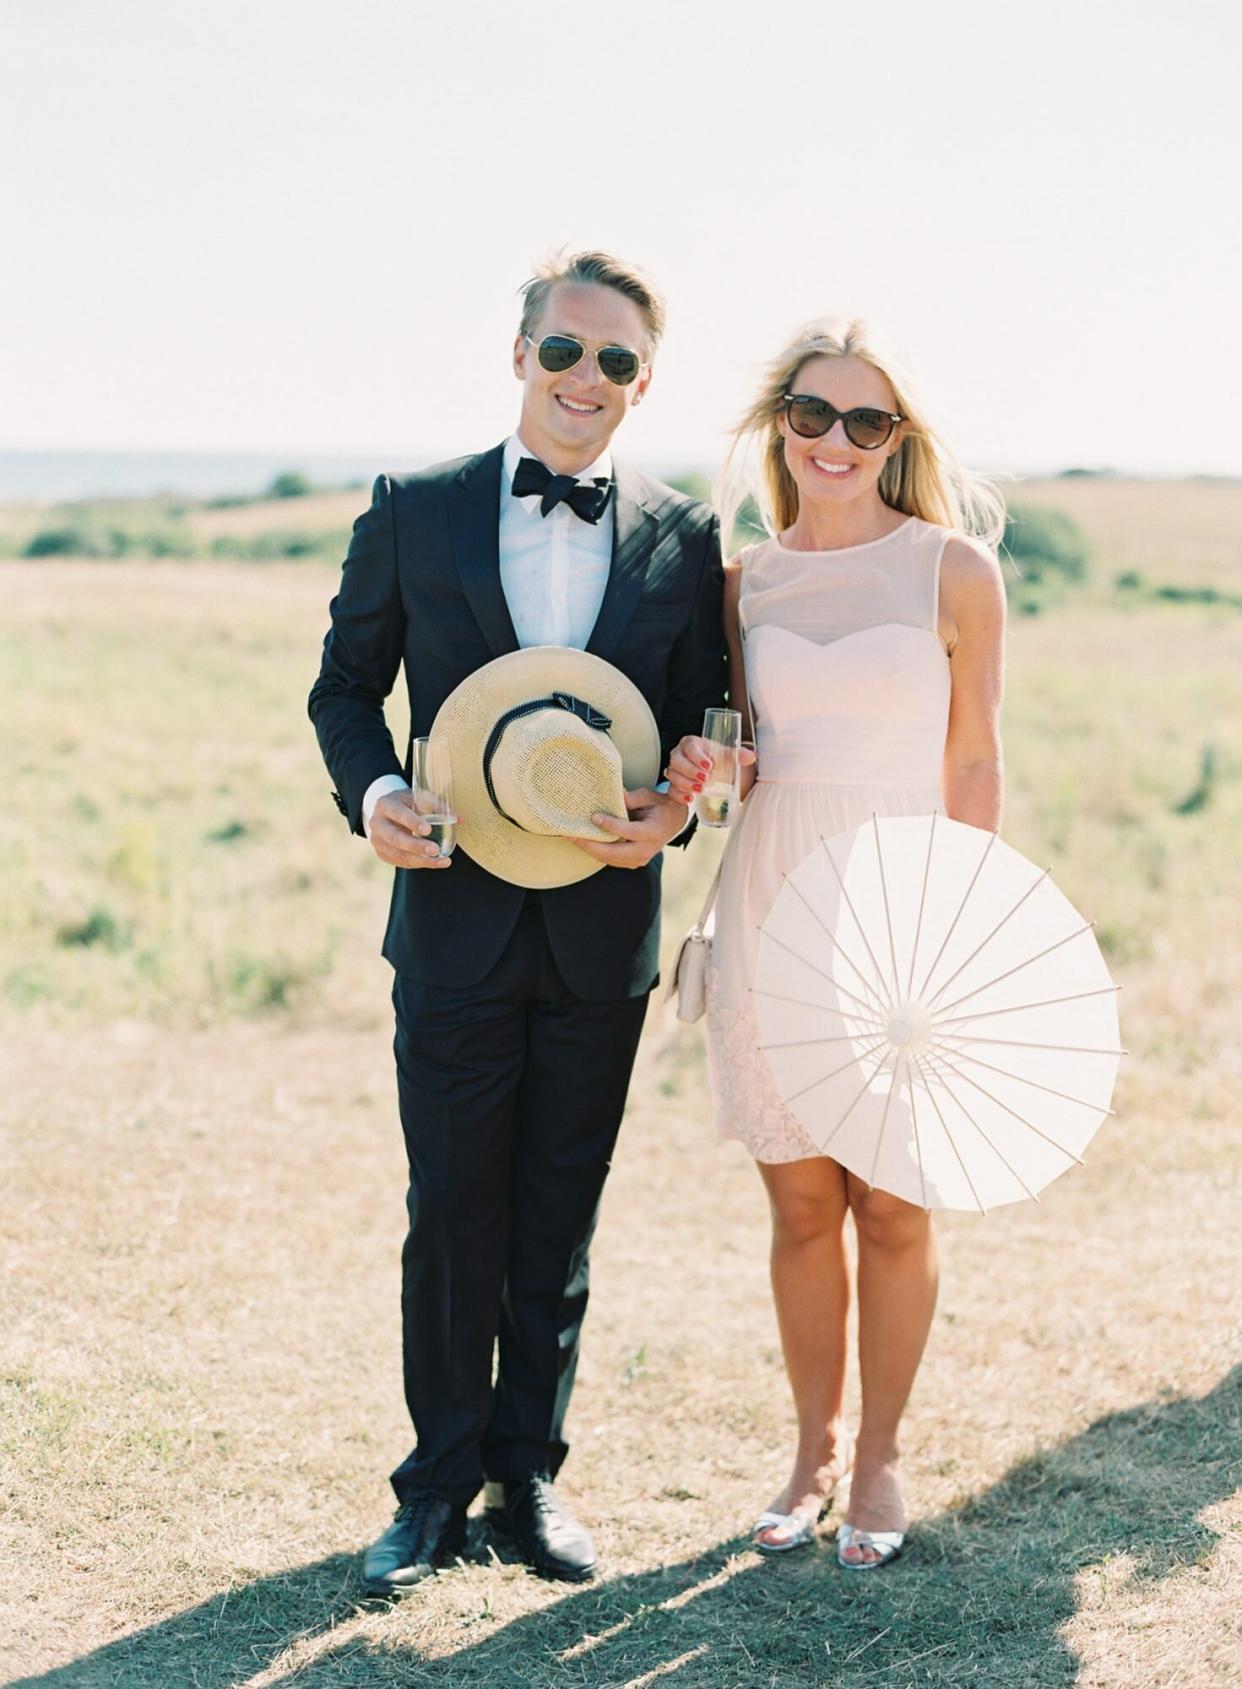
[[987, 1588]]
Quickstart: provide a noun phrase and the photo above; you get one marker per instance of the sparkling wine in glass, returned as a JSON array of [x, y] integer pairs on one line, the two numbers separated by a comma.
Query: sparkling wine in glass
[[432, 780], [715, 804]]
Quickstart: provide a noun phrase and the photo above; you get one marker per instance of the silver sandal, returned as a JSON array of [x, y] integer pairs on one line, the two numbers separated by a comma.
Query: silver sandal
[[803, 1526], [799, 1524], [887, 1544]]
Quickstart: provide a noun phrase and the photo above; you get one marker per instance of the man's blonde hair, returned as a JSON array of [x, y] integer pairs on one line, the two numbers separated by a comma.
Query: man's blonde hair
[[602, 269]]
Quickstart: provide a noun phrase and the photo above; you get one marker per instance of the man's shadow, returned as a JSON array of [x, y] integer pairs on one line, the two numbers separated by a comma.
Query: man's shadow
[[987, 1588]]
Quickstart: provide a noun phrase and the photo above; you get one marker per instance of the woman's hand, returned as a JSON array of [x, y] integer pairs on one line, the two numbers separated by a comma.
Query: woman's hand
[[691, 762], [688, 767]]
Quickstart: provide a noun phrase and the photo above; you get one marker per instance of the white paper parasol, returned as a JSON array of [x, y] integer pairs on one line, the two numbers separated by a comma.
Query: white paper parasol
[[936, 1013]]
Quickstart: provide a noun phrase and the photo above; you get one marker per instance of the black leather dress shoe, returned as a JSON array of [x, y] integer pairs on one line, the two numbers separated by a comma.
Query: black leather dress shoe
[[427, 1532], [540, 1526]]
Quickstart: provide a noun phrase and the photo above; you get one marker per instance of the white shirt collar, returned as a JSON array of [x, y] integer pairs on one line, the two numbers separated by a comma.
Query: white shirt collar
[[516, 449]]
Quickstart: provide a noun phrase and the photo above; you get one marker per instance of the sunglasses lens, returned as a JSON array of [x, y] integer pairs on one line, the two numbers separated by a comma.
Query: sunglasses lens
[[618, 363], [558, 352], [867, 428], [810, 417]]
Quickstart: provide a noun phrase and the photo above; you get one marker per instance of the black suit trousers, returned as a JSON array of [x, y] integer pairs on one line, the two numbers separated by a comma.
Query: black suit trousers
[[511, 1093]]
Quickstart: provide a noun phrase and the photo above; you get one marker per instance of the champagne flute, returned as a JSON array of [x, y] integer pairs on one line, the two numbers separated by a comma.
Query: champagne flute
[[431, 776], [715, 804]]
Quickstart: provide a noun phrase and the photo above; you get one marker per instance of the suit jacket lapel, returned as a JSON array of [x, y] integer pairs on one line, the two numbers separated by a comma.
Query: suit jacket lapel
[[474, 523], [634, 532]]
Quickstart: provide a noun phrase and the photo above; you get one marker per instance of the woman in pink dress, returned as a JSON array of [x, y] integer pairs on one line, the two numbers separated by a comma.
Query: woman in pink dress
[[865, 644]]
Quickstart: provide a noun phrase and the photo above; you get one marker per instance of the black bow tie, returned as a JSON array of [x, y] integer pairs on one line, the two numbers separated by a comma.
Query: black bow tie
[[531, 476]]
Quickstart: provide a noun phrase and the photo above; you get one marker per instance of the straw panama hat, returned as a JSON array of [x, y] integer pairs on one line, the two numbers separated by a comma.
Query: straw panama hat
[[540, 740]]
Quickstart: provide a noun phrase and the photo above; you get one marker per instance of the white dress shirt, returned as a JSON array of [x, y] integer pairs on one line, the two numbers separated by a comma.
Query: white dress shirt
[[553, 572], [553, 568]]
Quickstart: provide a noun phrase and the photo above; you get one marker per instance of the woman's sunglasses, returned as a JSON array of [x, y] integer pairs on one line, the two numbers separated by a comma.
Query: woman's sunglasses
[[864, 427], [559, 352]]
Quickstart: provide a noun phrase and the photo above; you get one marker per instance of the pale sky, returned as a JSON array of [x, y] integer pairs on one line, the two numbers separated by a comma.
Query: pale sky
[[253, 225]]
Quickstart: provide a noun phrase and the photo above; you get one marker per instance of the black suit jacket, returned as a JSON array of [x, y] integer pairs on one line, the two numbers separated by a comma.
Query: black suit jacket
[[421, 587]]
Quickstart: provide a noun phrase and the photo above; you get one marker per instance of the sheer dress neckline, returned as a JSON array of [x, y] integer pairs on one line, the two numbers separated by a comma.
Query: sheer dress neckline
[[841, 550]]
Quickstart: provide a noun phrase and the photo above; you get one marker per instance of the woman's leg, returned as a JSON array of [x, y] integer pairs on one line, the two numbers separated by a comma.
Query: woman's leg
[[811, 1290], [897, 1278]]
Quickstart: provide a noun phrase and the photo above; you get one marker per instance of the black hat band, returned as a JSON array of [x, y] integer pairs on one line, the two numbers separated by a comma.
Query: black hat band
[[555, 701]]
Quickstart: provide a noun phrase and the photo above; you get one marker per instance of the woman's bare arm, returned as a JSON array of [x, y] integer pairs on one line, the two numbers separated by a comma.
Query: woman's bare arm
[[972, 598]]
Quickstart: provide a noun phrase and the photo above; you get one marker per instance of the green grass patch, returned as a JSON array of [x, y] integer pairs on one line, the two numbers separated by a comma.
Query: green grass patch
[[101, 927]]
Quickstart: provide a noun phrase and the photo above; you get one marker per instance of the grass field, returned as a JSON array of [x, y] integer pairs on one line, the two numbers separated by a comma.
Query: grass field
[[202, 1189]]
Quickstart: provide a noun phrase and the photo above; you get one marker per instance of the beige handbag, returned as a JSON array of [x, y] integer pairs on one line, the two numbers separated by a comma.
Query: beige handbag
[[688, 978]]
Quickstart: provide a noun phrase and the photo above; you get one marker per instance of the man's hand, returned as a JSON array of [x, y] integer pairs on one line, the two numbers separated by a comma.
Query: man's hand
[[399, 834], [653, 819]]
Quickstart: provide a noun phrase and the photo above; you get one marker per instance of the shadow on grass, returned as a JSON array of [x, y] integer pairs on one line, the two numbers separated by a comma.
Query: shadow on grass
[[983, 1594]]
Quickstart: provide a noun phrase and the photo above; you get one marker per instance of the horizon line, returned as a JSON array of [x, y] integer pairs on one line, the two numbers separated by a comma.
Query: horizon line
[[290, 459]]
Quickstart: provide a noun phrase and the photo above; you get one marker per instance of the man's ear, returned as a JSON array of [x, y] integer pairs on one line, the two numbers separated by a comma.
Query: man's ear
[[641, 386], [519, 357]]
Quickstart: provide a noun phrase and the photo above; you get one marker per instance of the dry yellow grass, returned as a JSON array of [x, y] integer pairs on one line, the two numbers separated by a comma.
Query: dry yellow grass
[[199, 1371], [1183, 532], [265, 516]]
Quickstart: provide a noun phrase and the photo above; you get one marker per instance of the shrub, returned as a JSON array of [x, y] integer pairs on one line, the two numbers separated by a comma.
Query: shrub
[[63, 542], [261, 548], [290, 483], [693, 484], [747, 528], [1200, 796], [1045, 543], [85, 540], [228, 833], [1195, 595], [158, 542], [100, 927]]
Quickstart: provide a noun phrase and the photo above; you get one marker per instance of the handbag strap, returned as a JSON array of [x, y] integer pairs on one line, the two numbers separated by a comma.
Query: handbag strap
[[710, 899]]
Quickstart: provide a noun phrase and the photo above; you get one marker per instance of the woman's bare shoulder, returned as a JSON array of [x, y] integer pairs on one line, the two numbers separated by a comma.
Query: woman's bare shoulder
[[970, 573], [733, 571]]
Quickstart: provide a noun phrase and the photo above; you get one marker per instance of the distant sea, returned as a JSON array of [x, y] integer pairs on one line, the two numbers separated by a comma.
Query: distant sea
[[54, 476], [28, 476]]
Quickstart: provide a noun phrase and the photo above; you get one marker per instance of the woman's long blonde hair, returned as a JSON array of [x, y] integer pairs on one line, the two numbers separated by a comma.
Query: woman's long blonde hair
[[921, 478]]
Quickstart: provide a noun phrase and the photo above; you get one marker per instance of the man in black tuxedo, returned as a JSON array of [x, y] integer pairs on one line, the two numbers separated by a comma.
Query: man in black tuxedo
[[518, 1013]]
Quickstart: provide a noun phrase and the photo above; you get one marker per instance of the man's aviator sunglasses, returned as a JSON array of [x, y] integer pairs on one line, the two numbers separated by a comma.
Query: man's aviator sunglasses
[[559, 352], [865, 427]]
